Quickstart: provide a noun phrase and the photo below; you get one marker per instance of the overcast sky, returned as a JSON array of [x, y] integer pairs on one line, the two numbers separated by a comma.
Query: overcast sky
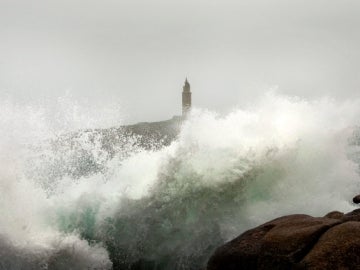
[[138, 52]]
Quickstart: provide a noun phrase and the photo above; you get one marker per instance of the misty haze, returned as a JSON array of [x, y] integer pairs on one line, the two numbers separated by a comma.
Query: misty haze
[[146, 135]]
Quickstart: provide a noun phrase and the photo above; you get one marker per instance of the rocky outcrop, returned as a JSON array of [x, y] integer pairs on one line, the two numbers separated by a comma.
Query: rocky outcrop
[[87, 152], [338, 248], [295, 242]]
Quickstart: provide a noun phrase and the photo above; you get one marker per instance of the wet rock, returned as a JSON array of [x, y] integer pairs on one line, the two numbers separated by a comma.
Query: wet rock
[[356, 199], [241, 252], [335, 215], [351, 216], [278, 244], [295, 242], [338, 248]]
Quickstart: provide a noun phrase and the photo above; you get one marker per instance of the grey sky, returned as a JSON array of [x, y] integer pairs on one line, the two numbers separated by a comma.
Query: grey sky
[[138, 52]]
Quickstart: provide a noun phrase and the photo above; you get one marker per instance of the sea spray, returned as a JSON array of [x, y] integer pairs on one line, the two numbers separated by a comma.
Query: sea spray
[[169, 208], [27, 239]]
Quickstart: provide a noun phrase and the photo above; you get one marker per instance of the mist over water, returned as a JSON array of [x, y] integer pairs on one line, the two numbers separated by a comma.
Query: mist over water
[[68, 202]]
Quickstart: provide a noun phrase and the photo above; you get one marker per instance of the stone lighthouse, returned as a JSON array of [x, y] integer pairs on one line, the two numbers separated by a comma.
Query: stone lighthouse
[[186, 99]]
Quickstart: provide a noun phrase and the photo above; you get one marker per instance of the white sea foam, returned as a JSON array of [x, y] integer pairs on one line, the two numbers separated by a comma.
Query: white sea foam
[[222, 175]]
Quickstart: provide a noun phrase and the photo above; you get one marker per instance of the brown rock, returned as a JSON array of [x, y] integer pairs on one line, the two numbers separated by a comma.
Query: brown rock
[[351, 216], [278, 244], [289, 241], [240, 253], [356, 199], [338, 248], [334, 215]]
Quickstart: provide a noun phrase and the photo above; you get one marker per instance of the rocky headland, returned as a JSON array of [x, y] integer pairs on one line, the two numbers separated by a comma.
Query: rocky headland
[[86, 152]]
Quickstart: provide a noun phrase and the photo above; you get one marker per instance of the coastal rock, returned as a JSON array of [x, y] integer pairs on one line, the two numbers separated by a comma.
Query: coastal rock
[[335, 215], [356, 199], [351, 216], [295, 242], [338, 248]]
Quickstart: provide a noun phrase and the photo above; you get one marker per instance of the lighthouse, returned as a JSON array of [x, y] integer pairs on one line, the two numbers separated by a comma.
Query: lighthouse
[[186, 99]]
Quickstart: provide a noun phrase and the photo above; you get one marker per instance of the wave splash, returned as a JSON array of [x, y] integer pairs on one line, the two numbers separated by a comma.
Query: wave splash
[[169, 208]]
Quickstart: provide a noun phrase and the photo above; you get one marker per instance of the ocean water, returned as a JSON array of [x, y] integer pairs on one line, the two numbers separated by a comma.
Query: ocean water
[[69, 202]]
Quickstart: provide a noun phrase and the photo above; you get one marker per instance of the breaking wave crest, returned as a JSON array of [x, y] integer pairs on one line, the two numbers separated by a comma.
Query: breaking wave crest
[[102, 199]]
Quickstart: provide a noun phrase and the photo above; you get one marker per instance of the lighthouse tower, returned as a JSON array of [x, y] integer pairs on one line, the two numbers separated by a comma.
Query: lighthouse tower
[[186, 99]]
